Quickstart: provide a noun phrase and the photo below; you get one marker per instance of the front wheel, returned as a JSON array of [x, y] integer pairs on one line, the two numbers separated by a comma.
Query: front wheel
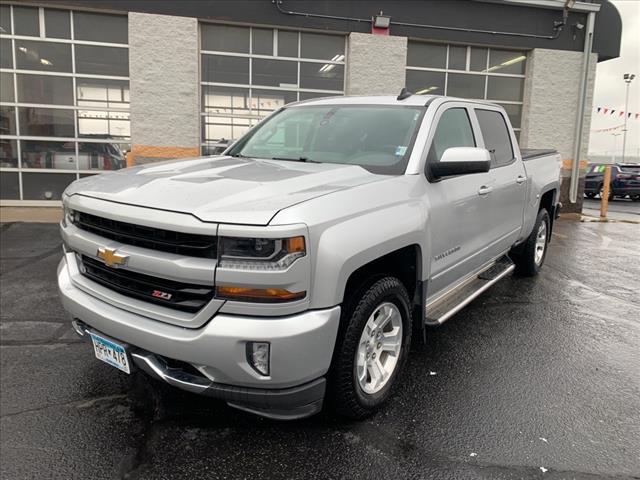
[[373, 349], [532, 253]]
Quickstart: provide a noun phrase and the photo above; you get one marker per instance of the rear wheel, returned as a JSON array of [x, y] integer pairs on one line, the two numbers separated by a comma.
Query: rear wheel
[[373, 349], [590, 195], [531, 256], [601, 192]]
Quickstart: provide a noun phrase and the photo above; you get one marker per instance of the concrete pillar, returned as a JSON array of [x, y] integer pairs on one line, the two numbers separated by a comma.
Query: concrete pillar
[[551, 93], [376, 64], [164, 78]]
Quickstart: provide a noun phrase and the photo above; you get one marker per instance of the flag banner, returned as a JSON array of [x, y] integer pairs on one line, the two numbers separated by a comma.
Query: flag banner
[[610, 111], [610, 129]]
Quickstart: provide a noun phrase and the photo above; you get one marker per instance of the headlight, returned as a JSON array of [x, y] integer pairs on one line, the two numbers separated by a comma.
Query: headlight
[[259, 253], [68, 215]]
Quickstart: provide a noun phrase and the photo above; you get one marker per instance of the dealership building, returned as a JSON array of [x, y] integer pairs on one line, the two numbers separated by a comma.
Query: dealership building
[[88, 87]]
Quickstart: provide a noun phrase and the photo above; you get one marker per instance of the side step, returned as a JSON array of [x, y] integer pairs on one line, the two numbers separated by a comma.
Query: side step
[[443, 308]]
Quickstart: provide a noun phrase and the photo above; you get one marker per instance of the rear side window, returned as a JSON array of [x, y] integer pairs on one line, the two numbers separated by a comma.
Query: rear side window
[[453, 130], [496, 137]]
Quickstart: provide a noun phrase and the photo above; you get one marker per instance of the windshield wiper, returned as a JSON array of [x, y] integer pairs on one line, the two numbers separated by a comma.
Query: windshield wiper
[[299, 159]]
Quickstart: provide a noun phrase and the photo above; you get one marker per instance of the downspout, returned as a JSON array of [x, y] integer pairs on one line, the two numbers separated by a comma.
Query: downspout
[[582, 99]]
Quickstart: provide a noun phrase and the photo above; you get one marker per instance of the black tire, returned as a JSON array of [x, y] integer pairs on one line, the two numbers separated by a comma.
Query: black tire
[[345, 395], [590, 195], [635, 198], [525, 257]]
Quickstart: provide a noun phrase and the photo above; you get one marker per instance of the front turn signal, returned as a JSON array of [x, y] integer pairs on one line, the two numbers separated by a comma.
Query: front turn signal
[[260, 295]]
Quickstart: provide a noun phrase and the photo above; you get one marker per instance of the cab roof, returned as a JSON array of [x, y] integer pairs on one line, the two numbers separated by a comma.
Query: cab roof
[[412, 100]]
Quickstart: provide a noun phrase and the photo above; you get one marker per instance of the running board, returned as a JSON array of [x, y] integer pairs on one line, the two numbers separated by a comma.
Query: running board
[[443, 308]]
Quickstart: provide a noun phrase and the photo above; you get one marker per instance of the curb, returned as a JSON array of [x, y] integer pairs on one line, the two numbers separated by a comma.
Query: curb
[[587, 219]]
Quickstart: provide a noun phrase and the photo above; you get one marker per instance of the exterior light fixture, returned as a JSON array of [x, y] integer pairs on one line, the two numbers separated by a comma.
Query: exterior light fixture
[[381, 21], [380, 24]]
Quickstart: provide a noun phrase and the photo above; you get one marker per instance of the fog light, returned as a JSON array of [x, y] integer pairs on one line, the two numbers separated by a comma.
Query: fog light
[[258, 354]]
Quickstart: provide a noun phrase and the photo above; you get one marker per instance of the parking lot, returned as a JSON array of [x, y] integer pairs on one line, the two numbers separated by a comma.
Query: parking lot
[[537, 378]]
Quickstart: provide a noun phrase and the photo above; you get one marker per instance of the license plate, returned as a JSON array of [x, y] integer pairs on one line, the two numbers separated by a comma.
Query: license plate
[[110, 352]]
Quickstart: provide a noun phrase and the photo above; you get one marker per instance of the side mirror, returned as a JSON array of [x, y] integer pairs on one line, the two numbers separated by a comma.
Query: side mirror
[[461, 161]]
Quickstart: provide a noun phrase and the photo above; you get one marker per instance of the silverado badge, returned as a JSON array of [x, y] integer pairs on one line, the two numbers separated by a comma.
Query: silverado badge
[[111, 258]]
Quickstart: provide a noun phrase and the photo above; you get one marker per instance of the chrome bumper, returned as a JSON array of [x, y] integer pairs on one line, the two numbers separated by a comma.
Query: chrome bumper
[[301, 346]]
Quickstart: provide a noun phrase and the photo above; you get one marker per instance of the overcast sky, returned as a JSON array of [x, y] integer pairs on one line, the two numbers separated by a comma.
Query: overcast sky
[[610, 87]]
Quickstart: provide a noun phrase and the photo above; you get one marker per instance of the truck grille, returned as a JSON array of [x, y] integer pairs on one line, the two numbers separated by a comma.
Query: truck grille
[[190, 244], [168, 293]]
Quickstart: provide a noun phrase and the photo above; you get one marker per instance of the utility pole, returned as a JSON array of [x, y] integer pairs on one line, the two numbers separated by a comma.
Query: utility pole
[[627, 78]]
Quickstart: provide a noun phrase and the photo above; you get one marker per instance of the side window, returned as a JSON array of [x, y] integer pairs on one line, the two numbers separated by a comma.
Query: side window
[[453, 130], [496, 137]]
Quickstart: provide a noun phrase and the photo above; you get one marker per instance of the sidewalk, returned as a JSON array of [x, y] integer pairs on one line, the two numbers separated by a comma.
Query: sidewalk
[[618, 211]]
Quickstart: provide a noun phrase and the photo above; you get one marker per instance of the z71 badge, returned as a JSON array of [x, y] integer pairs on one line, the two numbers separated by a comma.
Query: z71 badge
[[162, 295]]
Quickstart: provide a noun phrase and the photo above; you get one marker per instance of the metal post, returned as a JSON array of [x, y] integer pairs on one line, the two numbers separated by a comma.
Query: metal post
[[604, 196], [582, 99], [627, 78]]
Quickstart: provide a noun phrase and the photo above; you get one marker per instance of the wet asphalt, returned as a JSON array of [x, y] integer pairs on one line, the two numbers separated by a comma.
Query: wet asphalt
[[537, 378]]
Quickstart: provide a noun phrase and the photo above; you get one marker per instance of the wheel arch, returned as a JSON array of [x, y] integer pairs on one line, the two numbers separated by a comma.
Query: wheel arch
[[405, 264]]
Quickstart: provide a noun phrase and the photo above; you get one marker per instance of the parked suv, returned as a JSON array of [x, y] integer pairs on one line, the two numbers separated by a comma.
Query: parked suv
[[295, 268], [625, 181]]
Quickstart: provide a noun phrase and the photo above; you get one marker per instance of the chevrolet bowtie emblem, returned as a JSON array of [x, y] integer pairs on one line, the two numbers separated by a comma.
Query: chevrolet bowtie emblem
[[111, 258]]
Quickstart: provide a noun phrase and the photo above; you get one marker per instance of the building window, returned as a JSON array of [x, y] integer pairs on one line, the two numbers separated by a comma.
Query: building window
[[469, 72], [249, 72], [64, 99]]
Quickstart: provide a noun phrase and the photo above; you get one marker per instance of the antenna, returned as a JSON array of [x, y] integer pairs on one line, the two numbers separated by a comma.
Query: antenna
[[404, 94]]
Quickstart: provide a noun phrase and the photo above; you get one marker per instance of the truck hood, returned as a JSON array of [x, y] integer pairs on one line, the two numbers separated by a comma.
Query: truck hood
[[223, 189]]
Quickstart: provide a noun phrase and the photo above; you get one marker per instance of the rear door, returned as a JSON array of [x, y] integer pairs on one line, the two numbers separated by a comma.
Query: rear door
[[508, 178], [458, 211]]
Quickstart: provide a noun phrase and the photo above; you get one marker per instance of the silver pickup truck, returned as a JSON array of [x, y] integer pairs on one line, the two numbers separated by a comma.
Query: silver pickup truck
[[295, 268]]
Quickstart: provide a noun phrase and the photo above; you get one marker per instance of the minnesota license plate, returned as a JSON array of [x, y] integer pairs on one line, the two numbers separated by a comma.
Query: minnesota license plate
[[110, 352]]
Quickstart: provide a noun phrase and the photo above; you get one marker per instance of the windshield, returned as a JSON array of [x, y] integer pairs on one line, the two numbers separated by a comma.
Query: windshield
[[630, 168], [378, 138]]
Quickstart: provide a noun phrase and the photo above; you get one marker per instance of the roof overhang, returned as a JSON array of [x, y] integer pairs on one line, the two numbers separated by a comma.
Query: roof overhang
[[571, 5]]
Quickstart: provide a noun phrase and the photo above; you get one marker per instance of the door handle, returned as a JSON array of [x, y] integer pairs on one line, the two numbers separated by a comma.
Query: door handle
[[484, 190], [520, 180]]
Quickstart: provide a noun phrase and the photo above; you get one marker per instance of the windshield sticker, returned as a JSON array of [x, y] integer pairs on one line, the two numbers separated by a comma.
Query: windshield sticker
[[401, 150]]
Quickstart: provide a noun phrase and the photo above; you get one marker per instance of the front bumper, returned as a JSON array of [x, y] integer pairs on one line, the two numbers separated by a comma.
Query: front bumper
[[301, 351]]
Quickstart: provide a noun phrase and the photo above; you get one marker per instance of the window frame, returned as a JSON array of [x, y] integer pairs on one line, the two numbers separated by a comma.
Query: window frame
[[19, 138], [510, 133], [486, 74], [475, 130], [253, 115]]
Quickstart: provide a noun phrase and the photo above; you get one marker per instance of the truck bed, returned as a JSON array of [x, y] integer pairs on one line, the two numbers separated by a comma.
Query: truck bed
[[531, 153], [543, 174]]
